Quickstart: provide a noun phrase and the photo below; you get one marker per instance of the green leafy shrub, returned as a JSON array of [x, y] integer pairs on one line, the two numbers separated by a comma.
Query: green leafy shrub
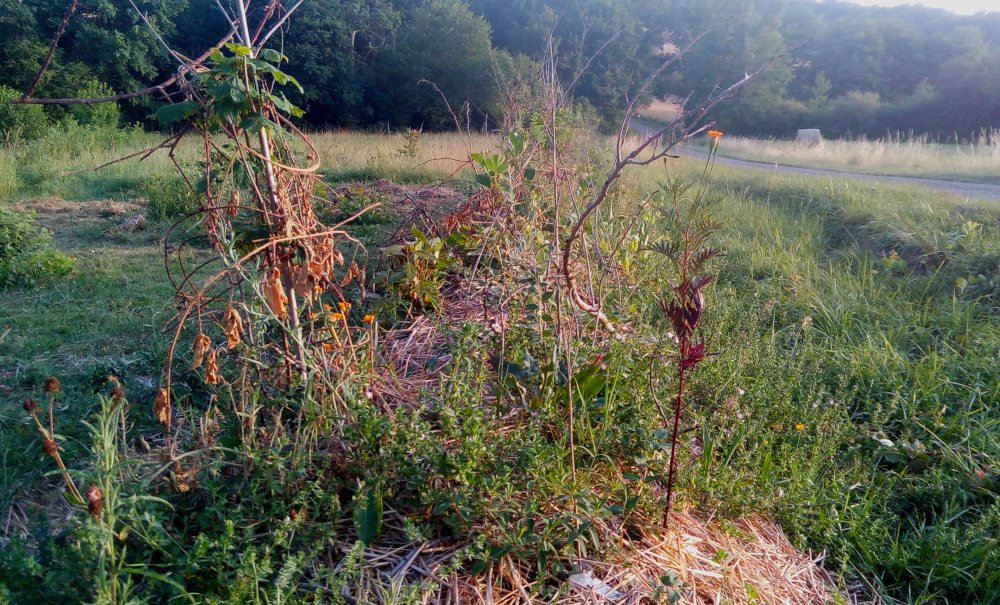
[[19, 121], [9, 183], [169, 197], [26, 254]]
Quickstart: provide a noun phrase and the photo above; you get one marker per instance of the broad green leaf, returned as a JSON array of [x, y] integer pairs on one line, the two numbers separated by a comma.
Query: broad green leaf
[[168, 114], [269, 54]]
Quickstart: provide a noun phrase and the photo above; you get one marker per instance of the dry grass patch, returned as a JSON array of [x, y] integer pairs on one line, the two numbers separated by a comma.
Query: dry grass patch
[[977, 159]]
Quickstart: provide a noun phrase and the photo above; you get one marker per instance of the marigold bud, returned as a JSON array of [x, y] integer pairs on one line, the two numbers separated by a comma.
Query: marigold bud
[[51, 385], [30, 406], [50, 447]]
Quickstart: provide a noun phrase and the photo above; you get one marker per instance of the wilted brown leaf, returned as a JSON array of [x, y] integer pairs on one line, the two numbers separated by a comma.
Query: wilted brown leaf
[[201, 344], [232, 324], [274, 293], [211, 369], [161, 407]]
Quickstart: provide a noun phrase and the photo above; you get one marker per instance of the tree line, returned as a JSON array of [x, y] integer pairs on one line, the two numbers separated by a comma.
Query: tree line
[[367, 63]]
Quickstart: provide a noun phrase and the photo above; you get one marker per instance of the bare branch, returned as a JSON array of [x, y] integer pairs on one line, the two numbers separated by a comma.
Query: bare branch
[[278, 25], [170, 51], [125, 95], [690, 120], [676, 57], [52, 49]]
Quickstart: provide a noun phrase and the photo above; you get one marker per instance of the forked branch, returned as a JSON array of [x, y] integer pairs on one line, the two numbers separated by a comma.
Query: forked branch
[[685, 126]]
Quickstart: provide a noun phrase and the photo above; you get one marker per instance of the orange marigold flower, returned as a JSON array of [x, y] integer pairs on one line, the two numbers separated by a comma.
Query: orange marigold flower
[[335, 316], [715, 133], [368, 318], [343, 306], [327, 346], [799, 427]]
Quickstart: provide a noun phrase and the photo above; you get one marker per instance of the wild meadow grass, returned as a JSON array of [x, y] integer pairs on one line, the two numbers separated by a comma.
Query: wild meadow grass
[[861, 324], [854, 397], [975, 159]]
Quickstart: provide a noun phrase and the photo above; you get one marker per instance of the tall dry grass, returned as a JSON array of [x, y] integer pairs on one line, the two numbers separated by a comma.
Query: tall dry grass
[[976, 158], [351, 156]]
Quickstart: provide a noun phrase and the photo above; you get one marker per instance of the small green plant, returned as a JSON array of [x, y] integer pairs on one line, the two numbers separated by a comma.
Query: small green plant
[[27, 257], [419, 269], [169, 197], [411, 147], [670, 589]]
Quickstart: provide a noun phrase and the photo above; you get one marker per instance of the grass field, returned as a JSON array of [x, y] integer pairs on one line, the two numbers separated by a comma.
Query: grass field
[[974, 160], [857, 386]]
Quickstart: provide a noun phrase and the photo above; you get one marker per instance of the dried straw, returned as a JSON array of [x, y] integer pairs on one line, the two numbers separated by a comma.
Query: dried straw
[[751, 562]]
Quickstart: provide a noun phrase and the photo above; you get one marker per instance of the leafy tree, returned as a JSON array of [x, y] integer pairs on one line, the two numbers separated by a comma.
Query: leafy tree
[[443, 42], [738, 46], [332, 46]]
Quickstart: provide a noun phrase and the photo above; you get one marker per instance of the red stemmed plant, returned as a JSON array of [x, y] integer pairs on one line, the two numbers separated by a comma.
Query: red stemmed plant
[[686, 246]]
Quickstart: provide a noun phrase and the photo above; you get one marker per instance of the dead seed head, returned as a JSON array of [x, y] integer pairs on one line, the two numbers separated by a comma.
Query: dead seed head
[[30, 406], [95, 500], [51, 385], [50, 447], [117, 394]]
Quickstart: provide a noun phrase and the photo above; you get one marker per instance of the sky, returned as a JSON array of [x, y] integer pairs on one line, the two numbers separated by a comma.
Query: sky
[[963, 7]]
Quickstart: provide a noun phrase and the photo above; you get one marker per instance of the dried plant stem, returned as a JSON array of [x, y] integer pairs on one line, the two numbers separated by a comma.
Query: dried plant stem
[[49, 435]]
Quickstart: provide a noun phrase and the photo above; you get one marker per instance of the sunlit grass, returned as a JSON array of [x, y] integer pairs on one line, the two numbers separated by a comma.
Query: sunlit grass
[[976, 159]]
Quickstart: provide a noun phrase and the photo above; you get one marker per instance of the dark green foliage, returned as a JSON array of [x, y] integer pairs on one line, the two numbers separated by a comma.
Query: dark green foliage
[[19, 121], [444, 43], [26, 254]]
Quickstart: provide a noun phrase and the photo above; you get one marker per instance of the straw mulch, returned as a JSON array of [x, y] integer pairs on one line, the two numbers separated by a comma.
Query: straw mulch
[[415, 353], [750, 564]]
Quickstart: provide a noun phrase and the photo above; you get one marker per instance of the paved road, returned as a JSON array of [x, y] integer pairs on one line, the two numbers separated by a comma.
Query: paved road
[[970, 190]]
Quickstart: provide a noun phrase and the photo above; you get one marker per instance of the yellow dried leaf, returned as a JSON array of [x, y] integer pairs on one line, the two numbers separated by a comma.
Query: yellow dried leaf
[[352, 272], [303, 287], [234, 203], [201, 344], [232, 324], [161, 407], [274, 293], [211, 369]]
